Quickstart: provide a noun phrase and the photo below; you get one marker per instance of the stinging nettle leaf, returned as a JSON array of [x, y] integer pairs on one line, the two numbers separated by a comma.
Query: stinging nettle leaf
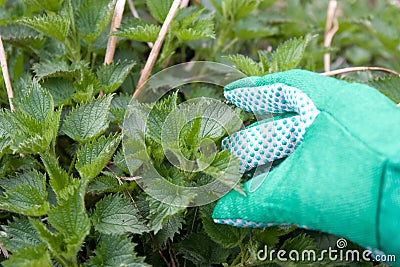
[[25, 194], [117, 215], [59, 178], [225, 235], [171, 227], [38, 103], [141, 33], [159, 9], [55, 26], [29, 257], [93, 17], [93, 156], [22, 36], [69, 217], [247, 65], [289, 54], [56, 69], [88, 120], [115, 250], [48, 5], [20, 234], [111, 76]]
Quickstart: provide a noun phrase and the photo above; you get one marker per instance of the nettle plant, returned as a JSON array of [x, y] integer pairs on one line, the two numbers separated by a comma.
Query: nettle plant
[[67, 195]]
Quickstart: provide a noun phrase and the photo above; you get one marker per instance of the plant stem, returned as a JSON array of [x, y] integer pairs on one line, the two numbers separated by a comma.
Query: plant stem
[[156, 48], [112, 40], [331, 28], [6, 75], [356, 69]]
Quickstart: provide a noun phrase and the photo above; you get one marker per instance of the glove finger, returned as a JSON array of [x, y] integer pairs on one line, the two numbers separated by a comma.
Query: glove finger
[[273, 98], [265, 141]]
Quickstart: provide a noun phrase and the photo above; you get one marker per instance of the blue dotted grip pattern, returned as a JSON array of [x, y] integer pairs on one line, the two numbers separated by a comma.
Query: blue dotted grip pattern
[[267, 141]]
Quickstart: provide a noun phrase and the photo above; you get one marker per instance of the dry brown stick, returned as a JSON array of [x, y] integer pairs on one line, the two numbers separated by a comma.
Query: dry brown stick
[[184, 3], [156, 48], [355, 69], [6, 75], [331, 28], [135, 14], [112, 40]]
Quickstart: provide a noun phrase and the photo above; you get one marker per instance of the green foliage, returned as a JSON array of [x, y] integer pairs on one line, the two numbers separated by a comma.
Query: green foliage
[[92, 18], [93, 156], [88, 120], [111, 76], [68, 194], [117, 215], [139, 31], [25, 194], [116, 250], [55, 26]]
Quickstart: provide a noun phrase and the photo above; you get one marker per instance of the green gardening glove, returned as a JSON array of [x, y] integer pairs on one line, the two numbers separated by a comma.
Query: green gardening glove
[[342, 173]]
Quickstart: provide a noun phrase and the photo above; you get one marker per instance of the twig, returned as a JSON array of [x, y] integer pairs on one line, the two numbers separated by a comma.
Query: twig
[[184, 3], [156, 48], [355, 69], [331, 28], [3, 250], [135, 14], [6, 75], [112, 40]]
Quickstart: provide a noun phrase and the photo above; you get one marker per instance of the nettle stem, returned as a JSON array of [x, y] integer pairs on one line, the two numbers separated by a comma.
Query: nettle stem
[[6, 75]]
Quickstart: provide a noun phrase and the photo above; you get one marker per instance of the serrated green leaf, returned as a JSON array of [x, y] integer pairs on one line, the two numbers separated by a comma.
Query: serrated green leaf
[[225, 235], [93, 156], [55, 26], [33, 137], [115, 250], [158, 115], [171, 227], [190, 25], [247, 65], [48, 5], [19, 234], [86, 86], [56, 69], [140, 32], [117, 215], [22, 36], [265, 60], [38, 103], [194, 34], [88, 120], [59, 179], [93, 17], [119, 161], [104, 184], [270, 236], [60, 89], [202, 251], [289, 54], [159, 9], [300, 243], [29, 257], [111, 76], [160, 213], [54, 241], [25, 194], [237, 9], [70, 219], [389, 86]]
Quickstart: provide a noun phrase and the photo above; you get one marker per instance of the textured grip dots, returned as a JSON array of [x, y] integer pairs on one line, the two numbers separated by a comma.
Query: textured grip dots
[[267, 141]]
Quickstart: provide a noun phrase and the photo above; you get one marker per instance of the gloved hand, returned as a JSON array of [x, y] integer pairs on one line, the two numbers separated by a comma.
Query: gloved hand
[[342, 173]]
